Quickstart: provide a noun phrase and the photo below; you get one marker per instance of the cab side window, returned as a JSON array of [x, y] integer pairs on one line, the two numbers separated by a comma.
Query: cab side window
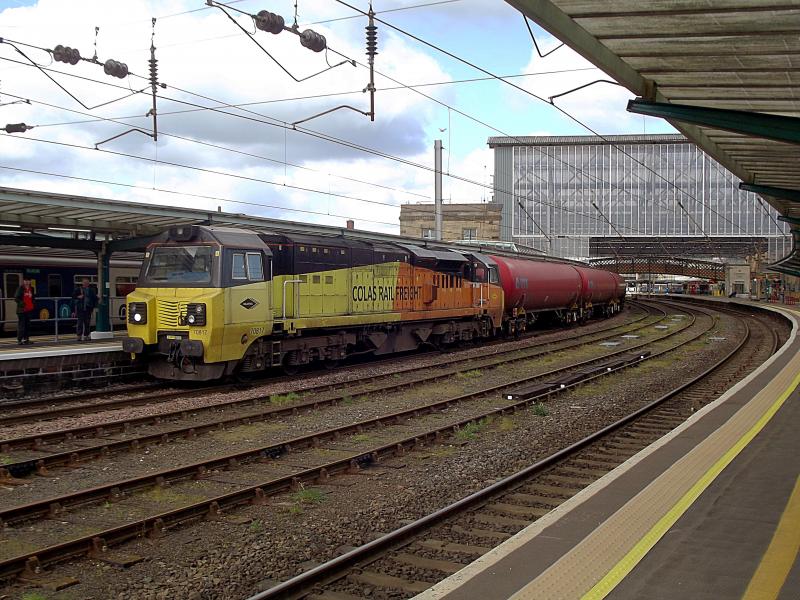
[[239, 270], [255, 266]]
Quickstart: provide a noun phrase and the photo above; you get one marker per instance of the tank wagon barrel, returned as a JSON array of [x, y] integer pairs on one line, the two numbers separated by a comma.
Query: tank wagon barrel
[[572, 293]]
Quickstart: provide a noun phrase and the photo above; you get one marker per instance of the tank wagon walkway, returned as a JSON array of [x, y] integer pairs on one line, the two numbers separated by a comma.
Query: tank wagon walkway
[[711, 510]]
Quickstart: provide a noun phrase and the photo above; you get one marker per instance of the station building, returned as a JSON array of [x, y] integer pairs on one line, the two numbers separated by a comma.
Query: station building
[[570, 196]]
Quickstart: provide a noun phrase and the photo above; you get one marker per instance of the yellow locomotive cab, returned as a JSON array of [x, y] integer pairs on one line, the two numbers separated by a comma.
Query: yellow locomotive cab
[[203, 296]]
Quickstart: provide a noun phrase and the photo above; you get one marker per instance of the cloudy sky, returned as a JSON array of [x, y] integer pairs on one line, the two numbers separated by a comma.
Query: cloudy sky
[[247, 158]]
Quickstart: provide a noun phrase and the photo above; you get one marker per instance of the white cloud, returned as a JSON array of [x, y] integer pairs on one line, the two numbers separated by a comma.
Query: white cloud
[[204, 52]]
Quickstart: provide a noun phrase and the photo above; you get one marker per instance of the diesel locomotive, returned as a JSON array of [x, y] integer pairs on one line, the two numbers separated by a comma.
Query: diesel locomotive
[[215, 301]]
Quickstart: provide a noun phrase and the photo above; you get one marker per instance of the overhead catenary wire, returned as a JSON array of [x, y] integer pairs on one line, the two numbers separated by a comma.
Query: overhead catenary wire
[[329, 138], [233, 150], [335, 140], [278, 123], [360, 218], [536, 96], [356, 146]]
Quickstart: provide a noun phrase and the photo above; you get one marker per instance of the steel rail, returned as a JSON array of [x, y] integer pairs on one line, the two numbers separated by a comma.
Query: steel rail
[[38, 441], [366, 553], [53, 400], [116, 489], [172, 394], [257, 493]]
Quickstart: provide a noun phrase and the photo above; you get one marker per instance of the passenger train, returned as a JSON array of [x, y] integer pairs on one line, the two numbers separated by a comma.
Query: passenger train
[[214, 301], [55, 275]]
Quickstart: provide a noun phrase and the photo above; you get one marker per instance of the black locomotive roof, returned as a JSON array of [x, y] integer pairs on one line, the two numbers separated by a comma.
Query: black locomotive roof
[[437, 255], [313, 240], [225, 236]]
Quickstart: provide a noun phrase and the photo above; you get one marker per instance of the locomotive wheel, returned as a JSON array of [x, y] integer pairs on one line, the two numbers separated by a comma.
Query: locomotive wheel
[[331, 363], [290, 369]]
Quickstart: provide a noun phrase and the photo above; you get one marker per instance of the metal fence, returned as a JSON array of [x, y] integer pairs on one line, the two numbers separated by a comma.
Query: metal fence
[[54, 315]]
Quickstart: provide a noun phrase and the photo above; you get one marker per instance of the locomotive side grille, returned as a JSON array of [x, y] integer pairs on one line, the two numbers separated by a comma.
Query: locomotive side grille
[[168, 313]]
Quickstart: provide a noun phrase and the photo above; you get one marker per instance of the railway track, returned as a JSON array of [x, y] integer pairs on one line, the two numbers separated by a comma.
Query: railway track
[[216, 505], [169, 395], [411, 559], [260, 408]]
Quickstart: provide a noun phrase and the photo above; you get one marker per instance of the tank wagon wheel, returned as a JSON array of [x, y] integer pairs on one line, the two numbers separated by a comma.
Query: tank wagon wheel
[[332, 363]]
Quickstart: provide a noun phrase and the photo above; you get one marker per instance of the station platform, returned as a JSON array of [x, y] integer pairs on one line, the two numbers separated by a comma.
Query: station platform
[[711, 510], [47, 346]]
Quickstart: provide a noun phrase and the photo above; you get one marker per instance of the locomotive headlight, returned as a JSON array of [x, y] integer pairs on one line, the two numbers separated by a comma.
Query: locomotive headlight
[[196, 314], [137, 313]]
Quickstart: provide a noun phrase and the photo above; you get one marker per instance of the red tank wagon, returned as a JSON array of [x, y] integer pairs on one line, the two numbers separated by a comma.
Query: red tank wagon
[[571, 292]]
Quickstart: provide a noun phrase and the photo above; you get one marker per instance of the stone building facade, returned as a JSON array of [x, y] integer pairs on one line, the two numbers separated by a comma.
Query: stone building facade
[[479, 221]]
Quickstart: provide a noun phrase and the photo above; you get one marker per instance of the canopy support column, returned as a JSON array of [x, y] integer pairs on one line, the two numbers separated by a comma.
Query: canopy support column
[[103, 324]]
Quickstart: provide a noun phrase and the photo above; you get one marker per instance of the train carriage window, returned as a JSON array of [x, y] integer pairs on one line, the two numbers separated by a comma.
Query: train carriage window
[[78, 279], [12, 283], [239, 271], [255, 266], [124, 284], [54, 287]]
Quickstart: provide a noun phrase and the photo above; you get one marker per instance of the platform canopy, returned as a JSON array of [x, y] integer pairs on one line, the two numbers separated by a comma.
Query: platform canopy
[[725, 73], [68, 222]]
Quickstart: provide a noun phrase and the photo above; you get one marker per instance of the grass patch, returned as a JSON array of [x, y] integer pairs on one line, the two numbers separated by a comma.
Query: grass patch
[[256, 526], [506, 424], [361, 437], [348, 400], [33, 596], [540, 410], [5, 460], [471, 374], [439, 452], [246, 432], [308, 496], [470, 430], [295, 509], [282, 399]]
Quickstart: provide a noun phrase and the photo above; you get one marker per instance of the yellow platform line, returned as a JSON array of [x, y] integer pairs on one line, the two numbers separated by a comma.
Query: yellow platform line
[[603, 587], [777, 561]]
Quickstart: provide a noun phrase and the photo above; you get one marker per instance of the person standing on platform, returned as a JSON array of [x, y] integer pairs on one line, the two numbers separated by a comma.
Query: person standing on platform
[[84, 301], [26, 299]]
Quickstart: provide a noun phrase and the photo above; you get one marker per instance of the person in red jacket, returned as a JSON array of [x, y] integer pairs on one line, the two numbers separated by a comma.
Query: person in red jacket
[[26, 299]]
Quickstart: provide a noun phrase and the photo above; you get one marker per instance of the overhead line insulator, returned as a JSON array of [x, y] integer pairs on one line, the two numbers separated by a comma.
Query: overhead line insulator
[[115, 68], [313, 40], [66, 54], [269, 22], [372, 40], [17, 128]]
